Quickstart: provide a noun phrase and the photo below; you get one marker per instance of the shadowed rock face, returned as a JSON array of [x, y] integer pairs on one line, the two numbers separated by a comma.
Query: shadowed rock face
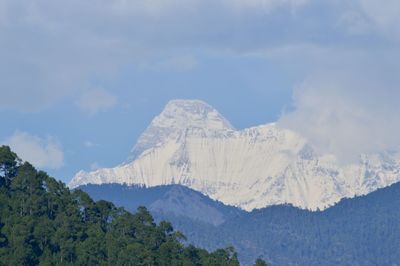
[[193, 145]]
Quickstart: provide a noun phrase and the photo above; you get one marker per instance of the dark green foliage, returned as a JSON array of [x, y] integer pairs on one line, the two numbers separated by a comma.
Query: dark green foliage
[[43, 223], [260, 262], [8, 165]]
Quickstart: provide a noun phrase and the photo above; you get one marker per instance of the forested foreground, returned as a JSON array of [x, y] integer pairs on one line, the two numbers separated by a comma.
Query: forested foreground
[[42, 222]]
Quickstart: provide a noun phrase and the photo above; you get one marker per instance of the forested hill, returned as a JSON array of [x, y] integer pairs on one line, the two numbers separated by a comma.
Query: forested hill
[[43, 222], [360, 231], [364, 230]]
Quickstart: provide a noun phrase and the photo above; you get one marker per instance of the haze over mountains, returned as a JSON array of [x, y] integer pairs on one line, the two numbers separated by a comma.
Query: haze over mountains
[[192, 144]]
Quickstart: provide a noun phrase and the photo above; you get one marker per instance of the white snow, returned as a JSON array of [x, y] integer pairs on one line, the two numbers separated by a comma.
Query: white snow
[[191, 144]]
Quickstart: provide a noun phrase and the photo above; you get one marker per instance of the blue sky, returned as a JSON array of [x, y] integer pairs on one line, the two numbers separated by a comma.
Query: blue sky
[[82, 79]]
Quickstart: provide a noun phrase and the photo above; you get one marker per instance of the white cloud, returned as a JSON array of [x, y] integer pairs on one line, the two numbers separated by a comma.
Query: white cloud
[[159, 8], [354, 23], [96, 100], [153, 8], [265, 5], [51, 49], [346, 115], [41, 152], [385, 15]]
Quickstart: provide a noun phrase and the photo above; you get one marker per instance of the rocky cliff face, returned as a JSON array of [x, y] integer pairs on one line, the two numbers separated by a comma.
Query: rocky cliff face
[[191, 144]]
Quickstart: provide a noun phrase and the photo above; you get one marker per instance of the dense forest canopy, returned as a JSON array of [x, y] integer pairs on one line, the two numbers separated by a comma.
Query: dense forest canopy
[[42, 222]]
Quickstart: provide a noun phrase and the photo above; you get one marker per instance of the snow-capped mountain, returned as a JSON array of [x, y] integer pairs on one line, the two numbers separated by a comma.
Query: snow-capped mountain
[[191, 144]]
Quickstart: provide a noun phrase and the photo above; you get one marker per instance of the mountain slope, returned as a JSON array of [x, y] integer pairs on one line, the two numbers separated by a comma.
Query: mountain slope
[[165, 201], [363, 230], [360, 231], [191, 144]]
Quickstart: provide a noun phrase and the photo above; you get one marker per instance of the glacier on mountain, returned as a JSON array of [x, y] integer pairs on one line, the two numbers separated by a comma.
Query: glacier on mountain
[[192, 144]]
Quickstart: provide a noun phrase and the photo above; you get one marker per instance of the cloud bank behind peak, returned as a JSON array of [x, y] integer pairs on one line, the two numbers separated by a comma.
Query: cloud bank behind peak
[[347, 113]]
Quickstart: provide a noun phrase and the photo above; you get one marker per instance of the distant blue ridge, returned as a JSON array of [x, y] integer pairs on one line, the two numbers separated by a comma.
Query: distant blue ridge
[[360, 231]]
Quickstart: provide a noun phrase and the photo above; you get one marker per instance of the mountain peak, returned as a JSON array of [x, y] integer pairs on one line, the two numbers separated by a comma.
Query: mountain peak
[[184, 114], [177, 117], [187, 103]]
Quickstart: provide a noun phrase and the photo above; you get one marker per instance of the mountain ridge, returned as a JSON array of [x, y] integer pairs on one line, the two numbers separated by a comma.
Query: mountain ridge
[[178, 115], [192, 144], [363, 230], [168, 200]]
